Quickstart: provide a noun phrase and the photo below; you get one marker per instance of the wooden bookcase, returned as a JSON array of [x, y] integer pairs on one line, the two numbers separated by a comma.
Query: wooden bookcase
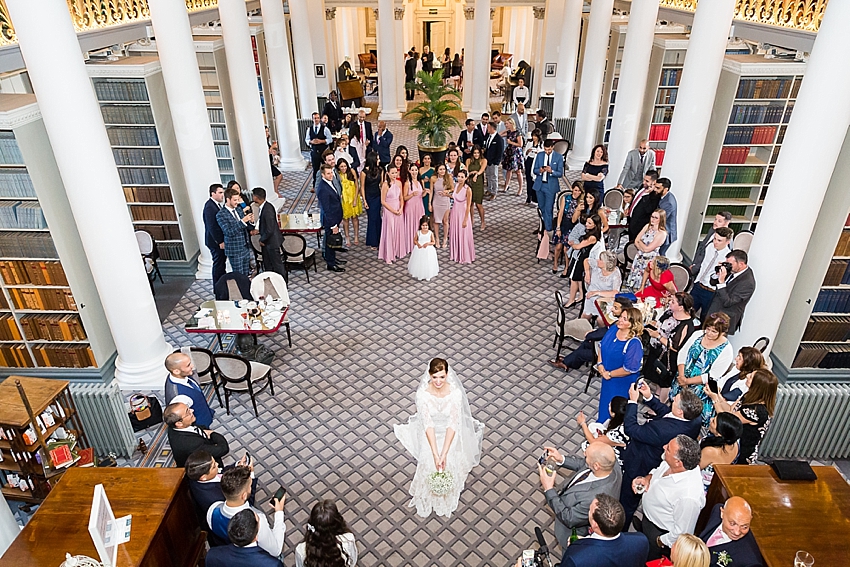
[[24, 455], [665, 74], [136, 112], [50, 313], [754, 102]]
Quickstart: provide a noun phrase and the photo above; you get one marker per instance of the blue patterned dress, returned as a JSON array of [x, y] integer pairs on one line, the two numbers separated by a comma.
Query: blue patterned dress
[[699, 362]]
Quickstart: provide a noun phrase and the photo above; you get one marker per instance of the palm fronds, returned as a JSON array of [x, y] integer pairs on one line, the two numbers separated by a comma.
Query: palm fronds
[[432, 118]]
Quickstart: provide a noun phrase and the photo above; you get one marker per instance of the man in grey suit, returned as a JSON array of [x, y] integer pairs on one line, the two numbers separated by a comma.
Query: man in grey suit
[[638, 162], [599, 472], [520, 118]]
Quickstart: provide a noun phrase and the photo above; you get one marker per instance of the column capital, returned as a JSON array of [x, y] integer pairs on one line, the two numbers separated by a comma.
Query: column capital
[[469, 13], [330, 13], [492, 13], [539, 12], [398, 13]]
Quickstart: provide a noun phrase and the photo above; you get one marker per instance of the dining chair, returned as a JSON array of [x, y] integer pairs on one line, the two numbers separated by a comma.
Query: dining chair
[[272, 284], [296, 252], [560, 322], [613, 199], [681, 276], [743, 240], [258, 251], [238, 375], [149, 251]]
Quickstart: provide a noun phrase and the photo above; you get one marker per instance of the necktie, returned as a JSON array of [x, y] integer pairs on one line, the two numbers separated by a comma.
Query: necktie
[[234, 214], [575, 480], [362, 132], [546, 174], [716, 538], [641, 162], [710, 265]]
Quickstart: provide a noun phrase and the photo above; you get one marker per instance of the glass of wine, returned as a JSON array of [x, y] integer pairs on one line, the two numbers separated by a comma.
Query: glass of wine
[[803, 559]]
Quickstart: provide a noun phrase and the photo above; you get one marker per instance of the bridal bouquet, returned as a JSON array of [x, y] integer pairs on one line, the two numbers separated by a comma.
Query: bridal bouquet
[[440, 482]]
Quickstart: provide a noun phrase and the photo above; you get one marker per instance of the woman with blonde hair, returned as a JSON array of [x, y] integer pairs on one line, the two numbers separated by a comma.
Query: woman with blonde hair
[[620, 357], [512, 160], [690, 551], [443, 187], [648, 242]]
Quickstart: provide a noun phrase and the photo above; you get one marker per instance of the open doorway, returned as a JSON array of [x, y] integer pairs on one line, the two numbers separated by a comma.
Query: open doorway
[[434, 35]]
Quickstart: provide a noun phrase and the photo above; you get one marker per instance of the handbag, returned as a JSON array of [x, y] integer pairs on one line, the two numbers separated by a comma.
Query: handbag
[[144, 411], [334, 240]]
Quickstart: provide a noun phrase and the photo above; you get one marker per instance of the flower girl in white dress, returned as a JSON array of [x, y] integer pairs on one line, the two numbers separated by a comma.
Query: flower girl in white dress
[[423, 260]]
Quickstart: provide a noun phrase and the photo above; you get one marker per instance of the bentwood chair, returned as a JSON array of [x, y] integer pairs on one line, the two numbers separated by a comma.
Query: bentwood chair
[[681, 277], [204, 367], [743, 240], [560, 322], [272, 284], [296, 252], [239, 375]]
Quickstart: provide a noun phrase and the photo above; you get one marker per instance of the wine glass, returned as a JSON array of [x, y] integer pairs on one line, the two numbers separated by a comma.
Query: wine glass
[[803, 559]]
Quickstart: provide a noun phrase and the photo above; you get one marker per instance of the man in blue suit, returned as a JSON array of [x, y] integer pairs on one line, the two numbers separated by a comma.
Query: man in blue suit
[[606, 546], [180, 386], [645, 448], [549, 169], [244, 551], [383, 144], [213, 237], [331, 207], [727, 534], [235, 227]]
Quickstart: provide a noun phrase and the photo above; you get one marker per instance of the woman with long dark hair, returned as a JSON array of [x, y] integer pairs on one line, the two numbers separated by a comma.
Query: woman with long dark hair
[[370, 182], [596, 169], [735, 383], [328, 541], [666, 338], [754, 409], [611, 432], [580, 252], [722, 446]]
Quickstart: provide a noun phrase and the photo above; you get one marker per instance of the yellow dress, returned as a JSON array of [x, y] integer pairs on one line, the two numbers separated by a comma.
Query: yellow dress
[[349, 196]]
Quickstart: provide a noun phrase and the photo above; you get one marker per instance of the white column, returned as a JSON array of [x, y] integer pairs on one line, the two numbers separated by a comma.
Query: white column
[[188, 112], [631, 86], [468, 57], [821, 117], [316, 17], [302, 51], [482, 32], [552, 25], [387, 62], [246, 98], [537, 53], [694, 101], [590, 90], [334, 60], [568, 59], [88, 171], [9, 528], [398, 25], [283, 91]]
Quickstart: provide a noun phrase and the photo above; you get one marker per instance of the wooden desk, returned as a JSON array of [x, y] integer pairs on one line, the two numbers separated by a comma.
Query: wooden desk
[[164, 531], [789, 516]]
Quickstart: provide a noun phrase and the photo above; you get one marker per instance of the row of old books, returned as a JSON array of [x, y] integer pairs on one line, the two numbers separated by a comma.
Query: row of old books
[[16, 183], [222, 151], [161, 232], [21, 214], [63, 356], [838, 273], [750, 135], [832, 301], [663, 114], [147, 194], [822, 356], [10, 153], [127, 114], [738, 175], [757, 113], [827, 328], [9, 330], [171, 251], [671, 77], [43, 299], [137, 156], [29, 245], [121, 90], [15, 356], [730, 192], [129, 136], [666, 96], [53, 328], [25, 272], [153, 212], [764, 88], [843, 246], [143, 175], [659, 132], [216, 115], [735, 155]]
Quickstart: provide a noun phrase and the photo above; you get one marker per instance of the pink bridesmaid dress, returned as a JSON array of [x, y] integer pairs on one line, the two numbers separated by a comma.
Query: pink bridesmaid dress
[[460, 238], [414, 210], [392, 230]]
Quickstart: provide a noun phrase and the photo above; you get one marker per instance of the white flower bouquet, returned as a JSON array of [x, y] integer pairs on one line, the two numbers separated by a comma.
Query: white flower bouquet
[[440, 482]]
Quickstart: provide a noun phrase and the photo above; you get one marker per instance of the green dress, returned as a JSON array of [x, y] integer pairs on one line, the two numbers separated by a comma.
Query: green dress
[[425, 179], [477, 185]]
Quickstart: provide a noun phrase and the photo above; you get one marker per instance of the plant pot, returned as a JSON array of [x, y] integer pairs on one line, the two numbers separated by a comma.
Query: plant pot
[[438, 155]]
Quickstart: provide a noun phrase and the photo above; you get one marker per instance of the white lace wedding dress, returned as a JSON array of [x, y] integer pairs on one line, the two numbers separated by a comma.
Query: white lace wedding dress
[[451, 411]]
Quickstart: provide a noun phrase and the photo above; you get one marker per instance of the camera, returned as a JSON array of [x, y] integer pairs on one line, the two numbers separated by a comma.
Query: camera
[[539, 557], [726, 265]]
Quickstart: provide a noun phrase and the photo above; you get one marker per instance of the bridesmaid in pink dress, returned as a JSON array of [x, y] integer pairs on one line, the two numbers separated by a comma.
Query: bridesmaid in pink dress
[[414, 208], [393, 236], [460, 229]]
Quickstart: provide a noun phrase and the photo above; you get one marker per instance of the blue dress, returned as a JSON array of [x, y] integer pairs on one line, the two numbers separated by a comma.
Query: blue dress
[[618, 354]]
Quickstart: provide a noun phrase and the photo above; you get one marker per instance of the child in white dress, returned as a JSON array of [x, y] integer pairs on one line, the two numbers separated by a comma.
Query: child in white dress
[[423, 263]]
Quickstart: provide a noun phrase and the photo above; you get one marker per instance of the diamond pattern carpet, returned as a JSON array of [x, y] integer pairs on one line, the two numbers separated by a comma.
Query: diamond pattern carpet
[[361, 341]]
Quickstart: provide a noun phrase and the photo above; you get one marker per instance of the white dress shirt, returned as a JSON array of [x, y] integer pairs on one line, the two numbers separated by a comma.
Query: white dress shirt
[[270, 539], [673, 502], [712, 258]]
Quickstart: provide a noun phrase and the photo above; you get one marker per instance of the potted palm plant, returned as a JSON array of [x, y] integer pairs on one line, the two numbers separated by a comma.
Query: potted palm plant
[[434, 116]]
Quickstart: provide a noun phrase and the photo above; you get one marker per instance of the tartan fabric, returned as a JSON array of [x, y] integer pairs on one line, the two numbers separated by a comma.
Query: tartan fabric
[[235, 241]]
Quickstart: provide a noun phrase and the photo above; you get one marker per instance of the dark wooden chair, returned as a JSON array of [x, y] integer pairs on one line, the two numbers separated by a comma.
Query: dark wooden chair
[[238, 374]]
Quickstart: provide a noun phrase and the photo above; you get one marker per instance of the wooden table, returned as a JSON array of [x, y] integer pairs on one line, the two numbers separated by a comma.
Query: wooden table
[[301, 223], [165, 529], [789, 516]]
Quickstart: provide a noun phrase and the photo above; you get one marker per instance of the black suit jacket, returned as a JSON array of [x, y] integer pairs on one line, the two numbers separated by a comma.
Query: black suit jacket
[[334, 114], [733, 298], [409, 70], [495, 150], [232, 556], [213, 236], [628, 550], [646, 443], [330, 203], [184, 443], [354, 130], [744, 552], [641, 212], [477, 140], [269, 230]]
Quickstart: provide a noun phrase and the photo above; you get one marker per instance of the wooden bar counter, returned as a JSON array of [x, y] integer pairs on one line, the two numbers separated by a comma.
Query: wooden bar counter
[[165, 529], [789, 515]]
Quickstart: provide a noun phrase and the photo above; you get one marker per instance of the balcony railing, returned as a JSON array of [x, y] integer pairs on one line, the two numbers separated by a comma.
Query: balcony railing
[[89, 15], [805, 15]]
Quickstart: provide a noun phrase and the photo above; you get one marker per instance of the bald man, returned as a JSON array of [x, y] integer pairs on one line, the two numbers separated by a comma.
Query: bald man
[[728, 532], [181, 386], [597, 473]]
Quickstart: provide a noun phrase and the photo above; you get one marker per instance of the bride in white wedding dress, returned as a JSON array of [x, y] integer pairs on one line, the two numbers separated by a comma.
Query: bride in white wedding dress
[[442, 436]]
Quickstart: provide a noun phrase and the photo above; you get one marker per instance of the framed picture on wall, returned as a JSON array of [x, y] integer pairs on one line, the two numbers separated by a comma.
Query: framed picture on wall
[[371, 25], [497, 21], [320, 71], [550, 70]]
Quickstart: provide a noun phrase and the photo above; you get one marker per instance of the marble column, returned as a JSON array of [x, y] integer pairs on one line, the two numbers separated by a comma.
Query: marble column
[[552, 25], [182, 79], [821, 117], [539, 13], [590, 90], [246, 98], [483, 33], [283, 90], [84, 157], [334, 60], [468, 57], [387, 61], [631, 86], [302, 52], [398, 25], [694, 101], [568, 59]]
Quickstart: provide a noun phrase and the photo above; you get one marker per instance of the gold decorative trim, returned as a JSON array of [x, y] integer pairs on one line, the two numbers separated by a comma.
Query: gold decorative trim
[[803, 15]]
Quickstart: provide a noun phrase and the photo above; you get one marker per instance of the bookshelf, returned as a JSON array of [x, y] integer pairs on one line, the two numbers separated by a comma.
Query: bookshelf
[[51, 319], [211, 81], [754, 102], [26, 459], [665, 74], [136, 113]]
